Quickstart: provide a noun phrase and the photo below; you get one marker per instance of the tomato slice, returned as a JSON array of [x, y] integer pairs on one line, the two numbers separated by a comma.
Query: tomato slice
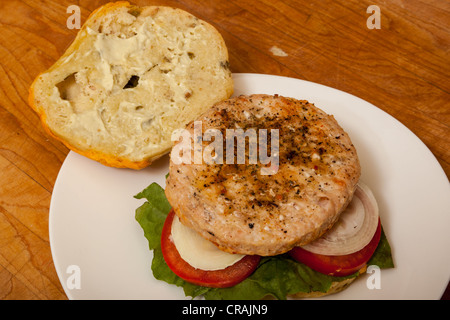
[[338, 265], [227, 277]]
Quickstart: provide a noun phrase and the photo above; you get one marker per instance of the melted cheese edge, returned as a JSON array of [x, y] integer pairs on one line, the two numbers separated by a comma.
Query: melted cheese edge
[[199, 252]]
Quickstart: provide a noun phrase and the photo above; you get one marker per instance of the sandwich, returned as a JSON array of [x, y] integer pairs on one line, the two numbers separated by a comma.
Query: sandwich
[[131, 76], [287, 218]]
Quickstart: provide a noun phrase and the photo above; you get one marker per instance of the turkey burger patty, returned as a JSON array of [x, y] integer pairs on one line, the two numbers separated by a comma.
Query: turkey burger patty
[[243, 211]]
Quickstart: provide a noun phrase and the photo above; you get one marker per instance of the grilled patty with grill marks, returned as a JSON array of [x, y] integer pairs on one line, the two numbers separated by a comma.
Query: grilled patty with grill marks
[[243, 211]]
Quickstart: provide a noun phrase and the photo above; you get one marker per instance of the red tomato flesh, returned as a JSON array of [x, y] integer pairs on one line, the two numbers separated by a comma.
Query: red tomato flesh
[[223, 278], [338, 265]]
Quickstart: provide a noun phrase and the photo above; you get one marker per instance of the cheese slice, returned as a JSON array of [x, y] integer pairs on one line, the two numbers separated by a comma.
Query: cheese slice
[[199, 252]]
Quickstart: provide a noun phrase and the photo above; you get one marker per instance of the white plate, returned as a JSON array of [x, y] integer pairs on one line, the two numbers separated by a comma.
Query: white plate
[[92, 224]]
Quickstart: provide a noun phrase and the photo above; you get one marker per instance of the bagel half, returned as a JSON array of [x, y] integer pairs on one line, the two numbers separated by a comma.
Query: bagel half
[[129, 79]]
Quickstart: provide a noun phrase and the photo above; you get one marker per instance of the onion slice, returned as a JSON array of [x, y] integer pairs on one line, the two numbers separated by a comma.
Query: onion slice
[[354, 229]]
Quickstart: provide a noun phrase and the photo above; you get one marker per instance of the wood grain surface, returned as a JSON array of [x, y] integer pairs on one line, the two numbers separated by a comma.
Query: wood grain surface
[[403, 68]]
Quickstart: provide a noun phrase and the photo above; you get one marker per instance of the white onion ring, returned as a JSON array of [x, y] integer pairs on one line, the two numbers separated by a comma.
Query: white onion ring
[[354, 229]]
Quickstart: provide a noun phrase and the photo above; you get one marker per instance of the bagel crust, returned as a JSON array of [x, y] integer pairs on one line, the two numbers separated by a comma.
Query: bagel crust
[[243, 211], [132, 76]]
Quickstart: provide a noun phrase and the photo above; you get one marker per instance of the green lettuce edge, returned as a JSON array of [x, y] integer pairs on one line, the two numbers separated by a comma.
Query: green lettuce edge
[[277, 276]]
